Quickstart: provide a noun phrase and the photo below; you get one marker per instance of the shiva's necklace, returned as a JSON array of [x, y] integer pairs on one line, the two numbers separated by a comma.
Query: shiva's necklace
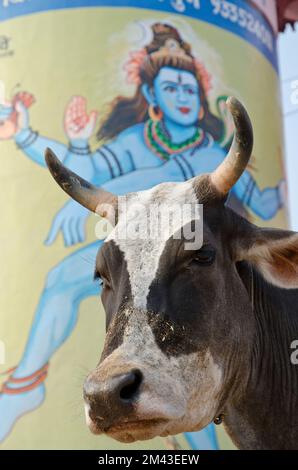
[[159, 141]]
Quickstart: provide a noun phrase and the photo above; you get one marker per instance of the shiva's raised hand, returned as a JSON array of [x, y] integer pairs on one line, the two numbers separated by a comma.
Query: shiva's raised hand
[[78, 124], [71, 221]]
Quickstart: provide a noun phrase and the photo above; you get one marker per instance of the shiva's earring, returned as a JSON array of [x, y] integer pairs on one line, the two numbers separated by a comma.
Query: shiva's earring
[[201, 113], [155, 113]]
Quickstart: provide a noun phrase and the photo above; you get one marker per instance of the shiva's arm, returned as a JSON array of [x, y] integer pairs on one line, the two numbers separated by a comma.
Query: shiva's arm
[[33, 146], [109, 161], [146, 178], [177, 169], [264, 203], [30, 142]]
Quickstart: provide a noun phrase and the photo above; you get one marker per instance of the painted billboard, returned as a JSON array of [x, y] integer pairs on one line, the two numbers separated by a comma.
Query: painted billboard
[[75, 76]]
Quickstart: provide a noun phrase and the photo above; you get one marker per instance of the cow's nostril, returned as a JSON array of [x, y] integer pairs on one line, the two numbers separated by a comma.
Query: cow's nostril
[[130, 387]]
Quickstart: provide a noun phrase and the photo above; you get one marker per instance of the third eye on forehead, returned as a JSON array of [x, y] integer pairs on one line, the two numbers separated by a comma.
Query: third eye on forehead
[[179, 77]]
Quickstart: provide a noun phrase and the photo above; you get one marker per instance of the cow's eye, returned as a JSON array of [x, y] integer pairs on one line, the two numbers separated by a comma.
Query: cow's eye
[[205, 256], [102, 281]]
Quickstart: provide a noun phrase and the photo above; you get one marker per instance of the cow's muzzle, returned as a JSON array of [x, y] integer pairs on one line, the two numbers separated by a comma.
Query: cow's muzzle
[[113, 405], [112, 399]]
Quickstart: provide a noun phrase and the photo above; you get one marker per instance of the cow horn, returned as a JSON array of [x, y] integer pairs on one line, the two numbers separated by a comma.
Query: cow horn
[[230, 170], [95, 199]]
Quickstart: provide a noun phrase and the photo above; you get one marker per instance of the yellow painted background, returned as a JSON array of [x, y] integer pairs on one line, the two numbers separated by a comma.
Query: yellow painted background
[[58, 54]]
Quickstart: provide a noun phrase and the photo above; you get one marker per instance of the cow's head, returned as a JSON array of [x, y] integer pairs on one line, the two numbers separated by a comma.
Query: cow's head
[[180, 327]]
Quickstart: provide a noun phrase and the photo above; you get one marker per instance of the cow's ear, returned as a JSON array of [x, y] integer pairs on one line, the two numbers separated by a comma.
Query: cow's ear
[[273, 252]]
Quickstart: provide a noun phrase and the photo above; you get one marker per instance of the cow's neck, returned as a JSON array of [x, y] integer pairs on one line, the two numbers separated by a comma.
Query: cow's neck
[[266, 413]]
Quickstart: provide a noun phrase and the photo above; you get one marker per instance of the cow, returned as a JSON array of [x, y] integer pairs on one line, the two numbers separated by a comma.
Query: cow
[[200, 334]]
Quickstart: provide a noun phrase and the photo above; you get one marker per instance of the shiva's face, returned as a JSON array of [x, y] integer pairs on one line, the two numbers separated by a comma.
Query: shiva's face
[[176, 93]]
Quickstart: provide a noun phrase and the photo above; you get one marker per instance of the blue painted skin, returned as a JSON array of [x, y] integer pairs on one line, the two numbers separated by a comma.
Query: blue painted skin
[[126, 164]]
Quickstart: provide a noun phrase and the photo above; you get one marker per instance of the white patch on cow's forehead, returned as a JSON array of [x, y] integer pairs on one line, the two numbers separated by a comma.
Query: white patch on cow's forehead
[[142, 254]]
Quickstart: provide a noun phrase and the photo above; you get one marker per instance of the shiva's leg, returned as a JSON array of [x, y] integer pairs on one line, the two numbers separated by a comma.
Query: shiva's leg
[[67, 285]]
